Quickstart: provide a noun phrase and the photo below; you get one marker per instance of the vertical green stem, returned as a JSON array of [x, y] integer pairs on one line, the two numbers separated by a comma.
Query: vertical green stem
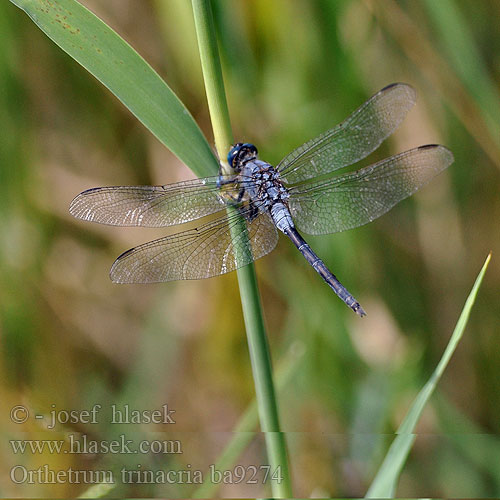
[[212, 75], [250, 299]]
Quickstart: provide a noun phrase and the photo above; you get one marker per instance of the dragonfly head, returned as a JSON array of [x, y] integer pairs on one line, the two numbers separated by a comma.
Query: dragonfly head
[[241, 153]]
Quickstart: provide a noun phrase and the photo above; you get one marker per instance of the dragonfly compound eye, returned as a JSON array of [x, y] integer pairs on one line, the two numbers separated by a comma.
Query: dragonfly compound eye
[[241, 152], [248, 152], [233, 154]]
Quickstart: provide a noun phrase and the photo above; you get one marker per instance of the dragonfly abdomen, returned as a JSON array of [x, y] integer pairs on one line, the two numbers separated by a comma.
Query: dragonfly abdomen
[[281, 217], [320, 267]]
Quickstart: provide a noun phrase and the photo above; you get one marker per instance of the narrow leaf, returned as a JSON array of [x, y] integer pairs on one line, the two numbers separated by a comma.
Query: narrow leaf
[[385, 482], [122, 70]]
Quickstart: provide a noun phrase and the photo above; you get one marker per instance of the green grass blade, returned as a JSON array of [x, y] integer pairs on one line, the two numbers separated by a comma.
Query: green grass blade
[[122, 70], [247, 280], [385, 482]]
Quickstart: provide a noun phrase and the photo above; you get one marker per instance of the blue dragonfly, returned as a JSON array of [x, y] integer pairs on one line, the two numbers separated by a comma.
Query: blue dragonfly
[[300, 193]]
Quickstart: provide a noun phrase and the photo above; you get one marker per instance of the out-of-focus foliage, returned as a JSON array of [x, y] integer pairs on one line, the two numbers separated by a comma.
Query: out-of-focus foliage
[[293, 68]]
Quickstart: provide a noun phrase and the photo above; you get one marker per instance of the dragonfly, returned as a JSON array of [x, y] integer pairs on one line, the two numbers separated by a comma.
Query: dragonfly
[[257, 200]]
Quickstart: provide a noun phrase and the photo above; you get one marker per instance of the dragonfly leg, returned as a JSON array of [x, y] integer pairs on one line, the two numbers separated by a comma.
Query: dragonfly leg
[[249, 212], [230, 198], [224, 182]]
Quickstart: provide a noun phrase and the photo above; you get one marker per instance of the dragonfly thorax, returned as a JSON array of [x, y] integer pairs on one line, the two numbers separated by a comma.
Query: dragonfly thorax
[[264, 188], [262, 183]]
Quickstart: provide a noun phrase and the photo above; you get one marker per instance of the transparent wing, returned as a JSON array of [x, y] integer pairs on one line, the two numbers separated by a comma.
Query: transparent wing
[[152, 206], [353, 139], [359, 197], [215, 248]]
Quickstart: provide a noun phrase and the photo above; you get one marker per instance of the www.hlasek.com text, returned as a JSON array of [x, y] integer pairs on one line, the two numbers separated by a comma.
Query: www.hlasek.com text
[[80, 444]]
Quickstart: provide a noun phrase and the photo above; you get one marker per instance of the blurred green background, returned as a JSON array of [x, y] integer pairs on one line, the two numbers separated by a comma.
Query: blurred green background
[[293, 68]]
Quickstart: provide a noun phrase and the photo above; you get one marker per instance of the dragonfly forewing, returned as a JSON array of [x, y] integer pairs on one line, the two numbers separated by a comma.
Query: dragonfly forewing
[[215, 248], [353, 139], [356, 198], [152, 206]]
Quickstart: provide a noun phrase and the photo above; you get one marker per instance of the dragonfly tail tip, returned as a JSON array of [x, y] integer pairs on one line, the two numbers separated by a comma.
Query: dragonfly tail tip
[[359, 310]]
